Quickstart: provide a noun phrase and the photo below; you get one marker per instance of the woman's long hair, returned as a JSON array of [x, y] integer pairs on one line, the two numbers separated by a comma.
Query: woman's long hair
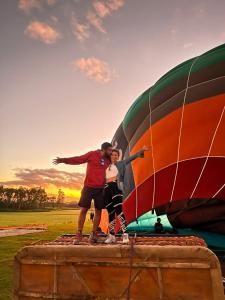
[[118, 152]]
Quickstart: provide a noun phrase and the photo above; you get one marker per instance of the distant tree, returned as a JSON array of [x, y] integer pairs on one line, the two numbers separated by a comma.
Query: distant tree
[[9, 197], [22, 198], [60, 198], [1, 193], [42, 197], [21, 194], [52, 201]]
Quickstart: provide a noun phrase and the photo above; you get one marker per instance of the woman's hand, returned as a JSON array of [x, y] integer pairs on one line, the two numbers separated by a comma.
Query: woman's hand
[[145, 148], [57, 160]]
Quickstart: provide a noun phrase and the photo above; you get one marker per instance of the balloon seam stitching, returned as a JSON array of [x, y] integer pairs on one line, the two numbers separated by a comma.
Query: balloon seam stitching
[[181, 127], [207, 157], [219, 190], [190, 87], [167, 166], [152, 149], [165, 102]]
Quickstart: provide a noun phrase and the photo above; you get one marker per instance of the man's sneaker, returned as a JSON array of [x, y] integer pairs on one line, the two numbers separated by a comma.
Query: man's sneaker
[[111, 239], [93, 237], [78, 238], [125, 238]]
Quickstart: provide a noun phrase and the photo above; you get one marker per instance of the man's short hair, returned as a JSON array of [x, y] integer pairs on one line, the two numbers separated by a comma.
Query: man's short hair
[[105, 146]]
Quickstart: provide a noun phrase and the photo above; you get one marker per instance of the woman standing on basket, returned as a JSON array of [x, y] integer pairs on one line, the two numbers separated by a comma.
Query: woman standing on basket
[[113, 190]]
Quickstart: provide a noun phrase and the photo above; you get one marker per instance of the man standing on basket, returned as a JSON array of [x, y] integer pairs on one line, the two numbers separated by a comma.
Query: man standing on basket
[[97, 163]]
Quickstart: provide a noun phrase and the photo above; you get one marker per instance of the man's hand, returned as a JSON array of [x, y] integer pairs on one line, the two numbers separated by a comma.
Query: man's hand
[[145, 148], [57, 161]]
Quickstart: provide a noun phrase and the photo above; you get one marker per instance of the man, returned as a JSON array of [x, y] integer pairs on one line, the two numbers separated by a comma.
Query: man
[[97, 162], [158, 226]]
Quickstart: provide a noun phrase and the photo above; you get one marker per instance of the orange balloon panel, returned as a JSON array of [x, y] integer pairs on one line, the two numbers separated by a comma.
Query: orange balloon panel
[[164, 133], [143, 167], [218, 147], [197, 133], [165, 140], [199, 124]]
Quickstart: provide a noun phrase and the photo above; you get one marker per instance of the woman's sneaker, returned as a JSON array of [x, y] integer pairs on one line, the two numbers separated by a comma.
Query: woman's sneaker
[[111, 239], [93, 237]]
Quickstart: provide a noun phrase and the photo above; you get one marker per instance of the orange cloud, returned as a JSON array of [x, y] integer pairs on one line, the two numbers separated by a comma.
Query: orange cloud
[[95, 69], [42, 32], [81, 31], [95, 21], [28, 5], [115, 4], [46, 178], [102, 10]]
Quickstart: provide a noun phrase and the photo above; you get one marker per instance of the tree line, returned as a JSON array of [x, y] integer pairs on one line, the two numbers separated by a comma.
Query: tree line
[[22, 198]]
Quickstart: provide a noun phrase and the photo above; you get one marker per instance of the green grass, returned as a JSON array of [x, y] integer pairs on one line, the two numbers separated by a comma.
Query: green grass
[[58, 221]]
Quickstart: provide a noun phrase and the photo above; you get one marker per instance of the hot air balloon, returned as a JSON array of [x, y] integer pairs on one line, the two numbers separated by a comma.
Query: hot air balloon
[[182, 120]]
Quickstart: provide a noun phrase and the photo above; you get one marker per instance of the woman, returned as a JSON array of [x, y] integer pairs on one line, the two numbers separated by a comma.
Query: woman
[[113, 191]]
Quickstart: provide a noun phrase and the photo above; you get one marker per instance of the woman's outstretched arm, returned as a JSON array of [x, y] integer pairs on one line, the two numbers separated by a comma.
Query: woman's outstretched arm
[[136, 155]]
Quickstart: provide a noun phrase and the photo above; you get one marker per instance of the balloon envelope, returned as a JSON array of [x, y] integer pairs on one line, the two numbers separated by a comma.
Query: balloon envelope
[[181, 118]]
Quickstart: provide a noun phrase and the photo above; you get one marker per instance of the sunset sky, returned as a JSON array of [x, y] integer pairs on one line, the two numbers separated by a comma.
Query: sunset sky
[[69, 71]]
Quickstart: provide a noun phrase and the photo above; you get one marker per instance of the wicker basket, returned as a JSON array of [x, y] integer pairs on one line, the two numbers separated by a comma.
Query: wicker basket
[[134, 271]]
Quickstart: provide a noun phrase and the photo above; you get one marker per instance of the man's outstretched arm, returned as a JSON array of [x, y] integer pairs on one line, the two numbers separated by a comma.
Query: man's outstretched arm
[[76, 160]]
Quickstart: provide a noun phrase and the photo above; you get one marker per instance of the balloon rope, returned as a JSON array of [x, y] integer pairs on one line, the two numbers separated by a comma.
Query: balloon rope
[[136, 193], [136, 205], [219, 190], [181, 127], [210, 148], [153, 160]]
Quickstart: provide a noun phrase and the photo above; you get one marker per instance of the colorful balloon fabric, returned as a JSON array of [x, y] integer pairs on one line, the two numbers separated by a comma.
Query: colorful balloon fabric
[[181, 118]]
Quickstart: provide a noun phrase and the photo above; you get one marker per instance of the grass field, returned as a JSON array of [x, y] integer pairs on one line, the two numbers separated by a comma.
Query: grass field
[[58, 221]]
